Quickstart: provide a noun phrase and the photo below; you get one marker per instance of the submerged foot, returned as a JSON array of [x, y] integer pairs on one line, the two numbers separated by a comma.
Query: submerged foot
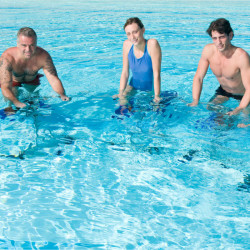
[[9, 111]]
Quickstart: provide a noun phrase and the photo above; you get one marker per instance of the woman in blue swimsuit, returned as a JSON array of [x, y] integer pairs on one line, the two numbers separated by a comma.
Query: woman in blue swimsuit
[[143, 58]]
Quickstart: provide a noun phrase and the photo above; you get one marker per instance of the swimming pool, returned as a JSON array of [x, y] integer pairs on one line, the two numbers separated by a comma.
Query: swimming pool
[[77, 175]]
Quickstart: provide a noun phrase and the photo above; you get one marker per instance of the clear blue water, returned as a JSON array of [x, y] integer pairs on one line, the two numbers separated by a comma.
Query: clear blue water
[[76, 175]]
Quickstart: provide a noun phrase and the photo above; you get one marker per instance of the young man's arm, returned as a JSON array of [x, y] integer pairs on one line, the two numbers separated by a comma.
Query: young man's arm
[[244, 66], [199, 76], [51, 74]]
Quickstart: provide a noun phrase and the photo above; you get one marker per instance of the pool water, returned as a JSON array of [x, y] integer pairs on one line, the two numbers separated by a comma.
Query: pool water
[[84, 174]]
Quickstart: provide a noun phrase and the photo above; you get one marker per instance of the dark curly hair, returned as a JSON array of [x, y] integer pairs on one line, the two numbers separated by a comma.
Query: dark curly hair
[[221, 25]]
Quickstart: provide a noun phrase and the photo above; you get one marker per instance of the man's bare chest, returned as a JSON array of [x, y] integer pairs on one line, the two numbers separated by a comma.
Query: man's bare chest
[[224, 68], [25, 70]]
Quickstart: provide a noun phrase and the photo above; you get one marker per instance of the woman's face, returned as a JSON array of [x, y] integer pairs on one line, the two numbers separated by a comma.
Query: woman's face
[[134, 33]]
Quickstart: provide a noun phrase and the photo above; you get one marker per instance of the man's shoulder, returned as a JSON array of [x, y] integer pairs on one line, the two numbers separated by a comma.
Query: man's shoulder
[[209, 48], [41, 52], [9, 54], [42, 56], [241, 57], [241, 52], [10, 51]]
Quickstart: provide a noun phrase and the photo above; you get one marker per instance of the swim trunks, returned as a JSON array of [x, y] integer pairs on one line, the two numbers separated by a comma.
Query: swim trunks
[[221, 91], [34, 82], [142, 70]]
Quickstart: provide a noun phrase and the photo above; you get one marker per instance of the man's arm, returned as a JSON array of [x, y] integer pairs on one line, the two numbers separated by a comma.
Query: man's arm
[[244, 66], [51, 74], [199, 76], [155, 53], [6, 82]]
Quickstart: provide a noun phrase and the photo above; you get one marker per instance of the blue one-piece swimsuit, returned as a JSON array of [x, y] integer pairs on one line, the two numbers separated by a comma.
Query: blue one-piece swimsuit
[[142, 70]]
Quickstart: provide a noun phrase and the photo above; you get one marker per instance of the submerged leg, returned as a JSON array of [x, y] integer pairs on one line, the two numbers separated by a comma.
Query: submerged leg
[[246, 112], [215, 100]]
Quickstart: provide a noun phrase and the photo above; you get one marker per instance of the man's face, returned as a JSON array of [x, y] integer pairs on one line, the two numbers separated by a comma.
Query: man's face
[[134, 33], [27, 46], [221, 41]]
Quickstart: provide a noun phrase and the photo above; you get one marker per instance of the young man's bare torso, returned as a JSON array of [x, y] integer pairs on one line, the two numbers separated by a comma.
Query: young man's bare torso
[[226, 68], [230, 65]]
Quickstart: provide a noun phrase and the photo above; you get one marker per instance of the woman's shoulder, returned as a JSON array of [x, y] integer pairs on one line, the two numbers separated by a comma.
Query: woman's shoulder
[[152, 42], [127, 45], [153, 46]]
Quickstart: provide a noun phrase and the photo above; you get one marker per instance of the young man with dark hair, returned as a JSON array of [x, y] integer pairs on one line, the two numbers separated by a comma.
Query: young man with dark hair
[[230, 65]]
